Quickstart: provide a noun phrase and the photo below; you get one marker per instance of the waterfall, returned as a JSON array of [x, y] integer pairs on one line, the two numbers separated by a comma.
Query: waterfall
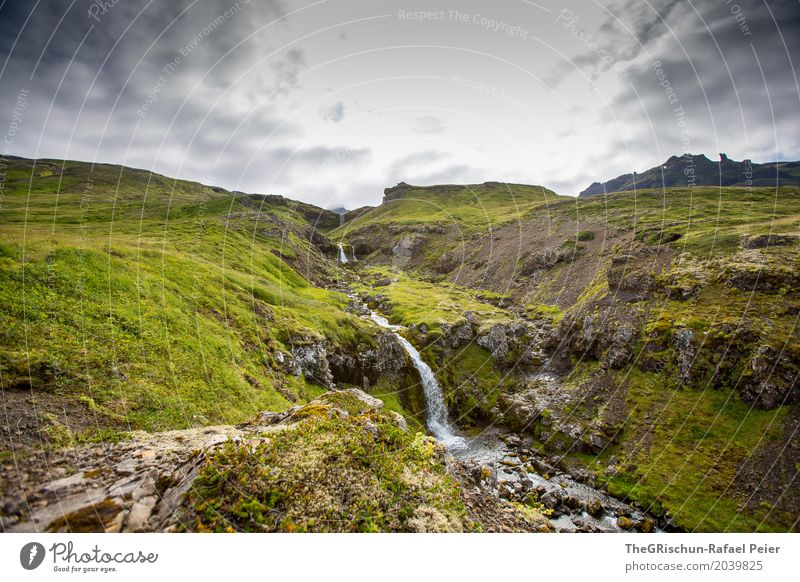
[[434, 398], [342, 256], [353, 250]]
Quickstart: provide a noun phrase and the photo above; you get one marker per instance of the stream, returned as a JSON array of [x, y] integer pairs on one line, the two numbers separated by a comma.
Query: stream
[[520, 474]]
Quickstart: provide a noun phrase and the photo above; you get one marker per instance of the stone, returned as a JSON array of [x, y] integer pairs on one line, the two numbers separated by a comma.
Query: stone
[[312, 361], [64, 485], [136, 486], [215, 441], [140, 513], [682, 340], [127, 466], [624, 522], [399, 420], [594, 507], [116, 523]]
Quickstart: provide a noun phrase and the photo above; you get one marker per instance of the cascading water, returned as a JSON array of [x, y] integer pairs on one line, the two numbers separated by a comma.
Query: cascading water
[[487, 449], [437, 410], [342, 256], [354, 253]]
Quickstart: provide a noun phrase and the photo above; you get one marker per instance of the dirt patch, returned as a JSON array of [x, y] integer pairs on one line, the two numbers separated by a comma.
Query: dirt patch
[[32, 420]]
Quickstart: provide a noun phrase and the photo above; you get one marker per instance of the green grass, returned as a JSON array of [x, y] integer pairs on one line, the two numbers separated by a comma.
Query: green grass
[[705, 221], [415, 301], [473, 207], [159, 300], [699, 437]]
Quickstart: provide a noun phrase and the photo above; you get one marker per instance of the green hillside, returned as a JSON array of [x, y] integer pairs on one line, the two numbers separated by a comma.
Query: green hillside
[[131, 300], [669, 319]]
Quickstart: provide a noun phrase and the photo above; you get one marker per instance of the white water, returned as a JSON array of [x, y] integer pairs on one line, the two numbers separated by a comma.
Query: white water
[[342, 256], [488, 450], [434, 398], [354, 253]]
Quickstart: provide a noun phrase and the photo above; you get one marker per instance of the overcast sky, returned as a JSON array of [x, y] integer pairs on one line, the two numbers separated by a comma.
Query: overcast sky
[[330, 101]]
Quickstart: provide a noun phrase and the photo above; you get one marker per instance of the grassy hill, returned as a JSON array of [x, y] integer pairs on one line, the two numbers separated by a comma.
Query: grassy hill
[[133, 301]]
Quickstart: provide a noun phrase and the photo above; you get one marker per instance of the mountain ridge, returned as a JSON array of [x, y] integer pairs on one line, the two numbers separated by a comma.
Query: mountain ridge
[[691, 170]]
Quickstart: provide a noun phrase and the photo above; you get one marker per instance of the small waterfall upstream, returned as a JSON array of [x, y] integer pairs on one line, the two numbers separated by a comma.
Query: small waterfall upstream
[[342, 255], [434, 398]]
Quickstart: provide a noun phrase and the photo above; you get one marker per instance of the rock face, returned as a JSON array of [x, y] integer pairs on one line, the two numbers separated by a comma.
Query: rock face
[[327, 365], [685, 354], [406, 248], [312, 360], [775, 379]]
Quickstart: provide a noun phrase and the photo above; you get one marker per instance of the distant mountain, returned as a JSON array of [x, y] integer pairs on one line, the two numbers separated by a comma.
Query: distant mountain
[[698, 170]]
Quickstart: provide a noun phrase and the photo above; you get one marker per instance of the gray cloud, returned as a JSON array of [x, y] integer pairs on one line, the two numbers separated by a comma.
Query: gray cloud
[[334, 113], [249, 104], [429, 125]]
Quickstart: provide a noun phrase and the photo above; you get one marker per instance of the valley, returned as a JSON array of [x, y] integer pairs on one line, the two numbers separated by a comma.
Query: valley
[[179, 357]]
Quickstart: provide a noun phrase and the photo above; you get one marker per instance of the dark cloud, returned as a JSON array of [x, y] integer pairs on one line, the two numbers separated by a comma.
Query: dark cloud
[[239, 91], [734, 88], [154, 84]]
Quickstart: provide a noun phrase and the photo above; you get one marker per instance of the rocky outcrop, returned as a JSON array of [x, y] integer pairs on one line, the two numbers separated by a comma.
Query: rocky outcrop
[[775, 379], [545, 259], [607, 334], [752, 273], [326, 364], [685, 353], [406, 248], [768, 240], [450, 260], [131, 486], [311, 360], [364, 366], [141, 484], [562, 420]]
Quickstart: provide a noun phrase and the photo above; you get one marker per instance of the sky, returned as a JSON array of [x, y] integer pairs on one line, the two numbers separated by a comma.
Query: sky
[[331, 101]]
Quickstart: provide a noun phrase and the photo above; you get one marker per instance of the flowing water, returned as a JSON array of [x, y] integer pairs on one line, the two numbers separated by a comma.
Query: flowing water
[[488, 448], [342, 256], [437, 420]]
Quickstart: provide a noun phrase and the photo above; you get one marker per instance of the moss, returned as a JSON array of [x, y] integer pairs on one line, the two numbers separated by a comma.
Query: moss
[[329, 475], [551, 313]]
